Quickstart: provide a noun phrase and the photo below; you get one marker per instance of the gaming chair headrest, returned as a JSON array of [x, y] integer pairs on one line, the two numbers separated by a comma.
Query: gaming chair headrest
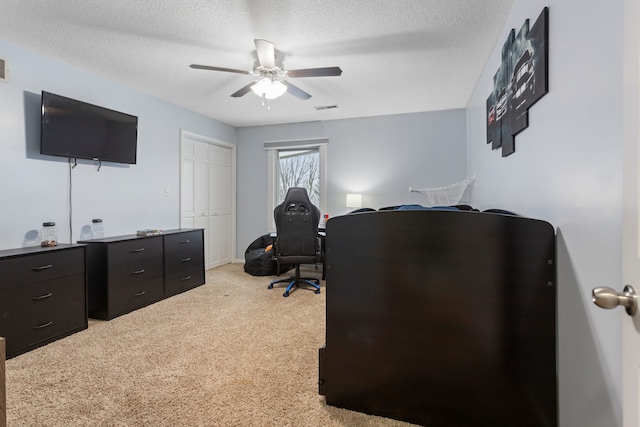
[[297, 200]]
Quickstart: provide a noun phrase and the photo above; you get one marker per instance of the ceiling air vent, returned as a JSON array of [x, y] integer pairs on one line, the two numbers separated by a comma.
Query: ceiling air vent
[[325, 107]]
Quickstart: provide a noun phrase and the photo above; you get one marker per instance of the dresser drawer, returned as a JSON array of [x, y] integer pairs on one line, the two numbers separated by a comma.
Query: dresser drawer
[[30, 323], [44, 298], [177, 261], [183, 280], [121, 275], [134, 249], [134, 296], [40, 267], [186, 242], [26, 334]]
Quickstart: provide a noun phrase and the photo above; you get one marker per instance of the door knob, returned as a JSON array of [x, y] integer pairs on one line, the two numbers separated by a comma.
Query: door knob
[[605, 297]]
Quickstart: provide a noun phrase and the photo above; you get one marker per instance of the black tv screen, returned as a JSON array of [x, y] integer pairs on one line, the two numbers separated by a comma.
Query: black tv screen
[[78, 130]]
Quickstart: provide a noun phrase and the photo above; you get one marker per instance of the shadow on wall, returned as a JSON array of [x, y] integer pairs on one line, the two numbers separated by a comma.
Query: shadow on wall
[[32, 114], [31, 238], [582, 383]]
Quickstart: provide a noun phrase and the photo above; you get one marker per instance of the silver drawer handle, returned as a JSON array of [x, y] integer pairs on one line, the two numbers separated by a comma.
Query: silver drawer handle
[[139, 271], [44, 325], [139, 294], [185, 241], [42, 268], [41, 297], [186, 278], [185, 259], [137, 250]]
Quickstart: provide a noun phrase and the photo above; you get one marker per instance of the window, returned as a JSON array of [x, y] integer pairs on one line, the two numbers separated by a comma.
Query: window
[[298, 168], [296, 164]]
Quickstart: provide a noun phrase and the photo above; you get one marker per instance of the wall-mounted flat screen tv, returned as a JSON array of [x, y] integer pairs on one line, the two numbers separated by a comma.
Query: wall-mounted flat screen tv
[[78, 130]]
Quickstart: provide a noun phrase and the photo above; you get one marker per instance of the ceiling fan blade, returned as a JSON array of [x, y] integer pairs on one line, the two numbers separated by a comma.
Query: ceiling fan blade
[[266, 53], [315, 72], [296, 91], [209, 67], [243, 91]]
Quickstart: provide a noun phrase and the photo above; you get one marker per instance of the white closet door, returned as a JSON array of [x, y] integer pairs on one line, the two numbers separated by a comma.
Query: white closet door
[[219, 205], [193, 187], [207, 195]]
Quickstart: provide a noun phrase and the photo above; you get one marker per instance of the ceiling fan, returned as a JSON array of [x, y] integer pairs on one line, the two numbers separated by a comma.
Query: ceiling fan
[[272, 75]]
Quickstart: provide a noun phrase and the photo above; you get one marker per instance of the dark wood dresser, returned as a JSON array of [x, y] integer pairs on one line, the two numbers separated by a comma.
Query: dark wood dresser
[[129, 272], [43, 295]]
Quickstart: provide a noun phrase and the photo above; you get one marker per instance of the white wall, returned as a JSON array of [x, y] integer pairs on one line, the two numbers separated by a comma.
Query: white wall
[[380, 157], [35, 188], [567, 170]]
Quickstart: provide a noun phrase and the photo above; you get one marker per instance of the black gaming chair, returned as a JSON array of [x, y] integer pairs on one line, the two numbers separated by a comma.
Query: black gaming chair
[[297, 237]]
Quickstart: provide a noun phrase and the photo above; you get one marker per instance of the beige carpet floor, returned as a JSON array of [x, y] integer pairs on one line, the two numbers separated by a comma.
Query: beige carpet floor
[[228, 353]]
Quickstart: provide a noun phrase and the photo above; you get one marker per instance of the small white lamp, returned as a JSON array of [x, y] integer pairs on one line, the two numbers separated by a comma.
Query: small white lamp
[[354, 200]]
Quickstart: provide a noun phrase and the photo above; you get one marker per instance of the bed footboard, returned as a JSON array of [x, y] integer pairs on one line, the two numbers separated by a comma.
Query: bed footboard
[[441, 318], [3, 384]]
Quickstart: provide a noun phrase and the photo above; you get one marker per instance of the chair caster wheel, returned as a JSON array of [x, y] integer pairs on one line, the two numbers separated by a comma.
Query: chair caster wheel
[[317, 291], [286, 294], [270, 287]]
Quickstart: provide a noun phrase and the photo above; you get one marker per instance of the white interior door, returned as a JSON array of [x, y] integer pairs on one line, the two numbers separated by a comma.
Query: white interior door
[[625, 293], [207, 194], [631, 276], [193, 184], [631, 213], [219, 205]]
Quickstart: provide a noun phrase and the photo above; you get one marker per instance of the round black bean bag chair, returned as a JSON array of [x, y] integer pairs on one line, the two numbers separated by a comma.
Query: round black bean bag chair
[[259, 262]]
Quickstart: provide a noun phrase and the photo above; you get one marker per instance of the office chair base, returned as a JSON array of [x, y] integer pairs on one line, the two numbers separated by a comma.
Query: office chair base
[[295, 281]]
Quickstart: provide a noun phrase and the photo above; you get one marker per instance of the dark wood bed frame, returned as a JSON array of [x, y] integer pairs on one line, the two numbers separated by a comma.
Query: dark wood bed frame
[[3, 384], [441, 318]]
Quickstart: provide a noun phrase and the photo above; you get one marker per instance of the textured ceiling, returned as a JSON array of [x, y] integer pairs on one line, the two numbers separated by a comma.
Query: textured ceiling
[[396, 56]]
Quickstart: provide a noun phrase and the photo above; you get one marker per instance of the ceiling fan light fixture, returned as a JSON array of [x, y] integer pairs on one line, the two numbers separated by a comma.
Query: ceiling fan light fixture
[[269, 88], [276, 90]]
